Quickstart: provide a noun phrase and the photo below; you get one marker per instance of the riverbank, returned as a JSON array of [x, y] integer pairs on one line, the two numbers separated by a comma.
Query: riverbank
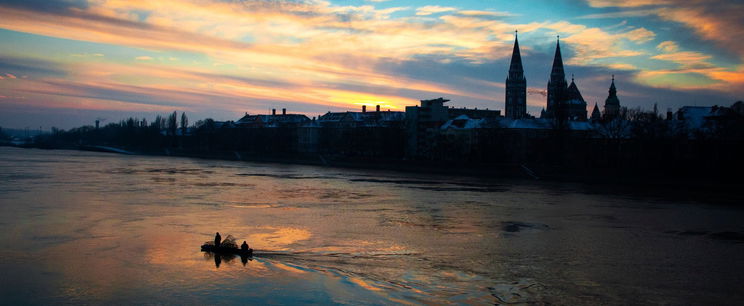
[[636, 180]]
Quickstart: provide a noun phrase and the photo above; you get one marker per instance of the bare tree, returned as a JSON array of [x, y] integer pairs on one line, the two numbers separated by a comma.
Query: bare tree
[[172, 124], [184, 123]]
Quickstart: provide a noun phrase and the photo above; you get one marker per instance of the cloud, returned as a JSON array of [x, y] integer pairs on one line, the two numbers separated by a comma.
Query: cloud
[[667, 46], [433, 9], [686, 59], [477, 13], [593, 44], [33, 66], [87, 55], [239, 56], [640, 35], [620, 14], [626, 3], [718, 21]]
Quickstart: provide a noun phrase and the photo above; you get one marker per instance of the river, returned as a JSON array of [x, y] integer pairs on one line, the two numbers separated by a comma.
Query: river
[[98, 228]]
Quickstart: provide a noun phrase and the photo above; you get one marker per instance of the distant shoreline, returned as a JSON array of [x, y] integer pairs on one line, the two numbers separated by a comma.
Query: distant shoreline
[[645, 181]]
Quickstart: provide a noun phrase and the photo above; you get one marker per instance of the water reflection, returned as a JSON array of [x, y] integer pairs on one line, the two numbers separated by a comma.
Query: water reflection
[[90, 228], [218, 258]]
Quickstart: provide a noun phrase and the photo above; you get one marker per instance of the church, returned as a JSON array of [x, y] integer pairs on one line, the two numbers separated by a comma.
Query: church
[[564, 101]]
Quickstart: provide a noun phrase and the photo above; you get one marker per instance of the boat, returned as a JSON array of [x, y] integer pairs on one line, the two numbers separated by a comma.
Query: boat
[[226, 250]]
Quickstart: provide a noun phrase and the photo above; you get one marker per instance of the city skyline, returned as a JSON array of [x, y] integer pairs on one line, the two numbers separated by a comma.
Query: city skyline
[[65, 63]]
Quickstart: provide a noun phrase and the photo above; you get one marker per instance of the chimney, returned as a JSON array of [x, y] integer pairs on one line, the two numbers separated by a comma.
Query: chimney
[[377, 108], [284, 111], [97, 122], [669, 114], [364, 108], [273, 111]]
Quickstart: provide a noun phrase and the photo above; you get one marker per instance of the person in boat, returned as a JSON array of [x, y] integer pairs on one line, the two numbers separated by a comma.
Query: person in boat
[[244, 246], [217, 239]]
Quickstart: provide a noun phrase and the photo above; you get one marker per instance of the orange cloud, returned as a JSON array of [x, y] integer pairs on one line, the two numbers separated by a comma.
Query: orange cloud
[[668, 46], [626, 3]]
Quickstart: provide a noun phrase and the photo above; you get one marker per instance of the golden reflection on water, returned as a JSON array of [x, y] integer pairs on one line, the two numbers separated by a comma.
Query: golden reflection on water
[[98, 229], [278, 239]]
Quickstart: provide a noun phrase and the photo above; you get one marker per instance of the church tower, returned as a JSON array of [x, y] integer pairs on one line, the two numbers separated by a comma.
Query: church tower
[[557, 86], [596, 116], [516, 86], [612, 103]]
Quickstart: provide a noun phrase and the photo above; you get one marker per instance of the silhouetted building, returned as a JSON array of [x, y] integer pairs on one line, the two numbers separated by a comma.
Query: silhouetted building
[[573, 106], [564, 101], [596, 116], [364, 118], [472, 113], [273, 120], [516, 86], [362, 134], [423, 123], [557, 85], [612, 103], [738, 107]]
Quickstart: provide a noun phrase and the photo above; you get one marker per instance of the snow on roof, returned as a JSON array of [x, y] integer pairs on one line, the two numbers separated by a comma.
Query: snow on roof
[[694, 116], [463, 122], [368, 117], [288, 118], [580, 125], [532, 123]]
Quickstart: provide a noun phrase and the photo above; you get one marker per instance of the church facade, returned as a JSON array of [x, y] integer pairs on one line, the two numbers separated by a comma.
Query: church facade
[[564, 100]]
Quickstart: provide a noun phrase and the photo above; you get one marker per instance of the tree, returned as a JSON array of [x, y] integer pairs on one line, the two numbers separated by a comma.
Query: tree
[[184, 123], [172, 124], [158, 123]]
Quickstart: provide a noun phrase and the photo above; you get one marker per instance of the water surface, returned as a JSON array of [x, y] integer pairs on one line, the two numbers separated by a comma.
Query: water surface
[[94, 228]]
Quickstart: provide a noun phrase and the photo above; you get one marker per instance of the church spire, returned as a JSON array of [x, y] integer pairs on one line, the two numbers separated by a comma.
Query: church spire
[[595, 113], [557, 86], [516, 71], [557, 71], [612, 103], [515, 104]]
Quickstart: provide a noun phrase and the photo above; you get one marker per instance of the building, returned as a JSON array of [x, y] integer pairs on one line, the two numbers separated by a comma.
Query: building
[[596, 116], [612, 103], [376, 134], [557, 85], [364, 118], [273, 120], [573, 106], [423, 123], [515, 104], [564, 101]]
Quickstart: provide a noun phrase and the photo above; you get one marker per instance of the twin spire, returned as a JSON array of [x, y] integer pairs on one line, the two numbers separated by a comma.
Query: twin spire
[[564, 100], [557, 74], [516, 71]]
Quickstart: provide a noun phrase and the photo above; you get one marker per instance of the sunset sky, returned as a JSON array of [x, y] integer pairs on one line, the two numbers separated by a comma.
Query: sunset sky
[[66, 63]]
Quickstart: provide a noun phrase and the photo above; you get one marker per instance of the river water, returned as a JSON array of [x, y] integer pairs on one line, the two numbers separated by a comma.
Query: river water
[[95, 228]]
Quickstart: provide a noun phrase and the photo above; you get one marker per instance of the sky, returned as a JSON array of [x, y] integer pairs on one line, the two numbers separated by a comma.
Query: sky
[[66, 63]]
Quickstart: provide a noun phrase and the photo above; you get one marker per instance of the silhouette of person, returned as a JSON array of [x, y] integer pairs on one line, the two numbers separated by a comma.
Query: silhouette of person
[[244, 246], [217, 239]]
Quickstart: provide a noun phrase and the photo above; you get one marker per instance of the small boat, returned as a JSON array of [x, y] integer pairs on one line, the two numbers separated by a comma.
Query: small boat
[[226, 250]]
